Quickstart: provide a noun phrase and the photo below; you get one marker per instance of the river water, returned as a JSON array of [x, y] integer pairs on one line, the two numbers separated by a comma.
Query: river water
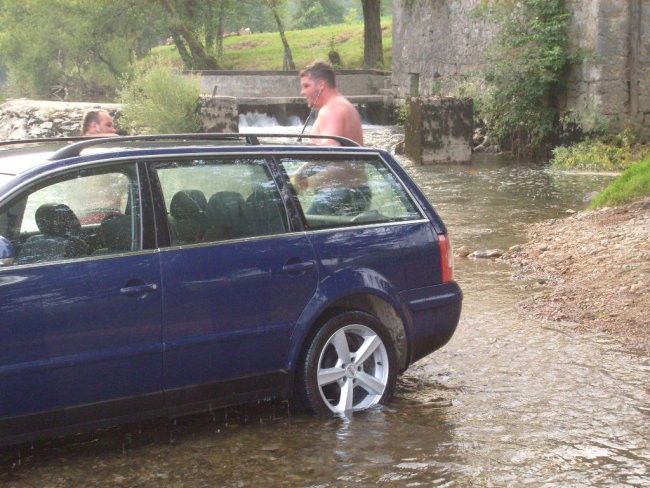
[[508, 402]]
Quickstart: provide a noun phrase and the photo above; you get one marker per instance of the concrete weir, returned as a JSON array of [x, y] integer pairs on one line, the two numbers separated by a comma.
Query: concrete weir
[[277, 93]]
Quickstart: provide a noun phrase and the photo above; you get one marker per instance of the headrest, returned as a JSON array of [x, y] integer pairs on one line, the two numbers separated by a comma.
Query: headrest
[[187, 204], [226, 203], [57, 219], [116, 232]]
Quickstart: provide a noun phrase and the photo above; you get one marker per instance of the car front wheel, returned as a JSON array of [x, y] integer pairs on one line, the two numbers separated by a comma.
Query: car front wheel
[[349, 366]]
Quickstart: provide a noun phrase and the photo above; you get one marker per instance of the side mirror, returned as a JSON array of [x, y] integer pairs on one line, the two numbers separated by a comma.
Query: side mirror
[[7, 252]]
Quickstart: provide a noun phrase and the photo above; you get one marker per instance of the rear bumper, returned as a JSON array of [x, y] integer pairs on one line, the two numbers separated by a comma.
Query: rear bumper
[[435, 312]]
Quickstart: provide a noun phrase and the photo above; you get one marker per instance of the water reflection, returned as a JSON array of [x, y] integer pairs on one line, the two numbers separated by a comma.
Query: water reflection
[[508, 402]]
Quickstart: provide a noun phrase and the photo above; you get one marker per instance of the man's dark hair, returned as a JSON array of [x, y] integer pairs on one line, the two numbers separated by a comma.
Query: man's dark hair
[[320, 70], [90, 117]]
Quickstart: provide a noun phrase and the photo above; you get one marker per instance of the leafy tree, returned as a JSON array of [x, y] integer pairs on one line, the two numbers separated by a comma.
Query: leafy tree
[[186, 21], [72, 49], [314, 13], [528, 65]]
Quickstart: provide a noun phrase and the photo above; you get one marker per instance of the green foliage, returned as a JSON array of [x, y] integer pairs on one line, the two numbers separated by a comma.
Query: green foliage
[[402, 113], [352, 15], [612, 154], [632, 184], [158, 99], [314, 13], [71, 49], [527, 67]]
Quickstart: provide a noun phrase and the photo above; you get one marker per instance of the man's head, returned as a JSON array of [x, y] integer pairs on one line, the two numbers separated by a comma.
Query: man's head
[[316, 78], [97, 123]]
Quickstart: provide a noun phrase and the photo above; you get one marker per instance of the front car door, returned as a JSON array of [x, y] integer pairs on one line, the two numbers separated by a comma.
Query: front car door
[[235, 278], [80, 322]]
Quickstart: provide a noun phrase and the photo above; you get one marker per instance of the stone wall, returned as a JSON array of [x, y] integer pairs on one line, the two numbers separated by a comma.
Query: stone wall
[[614, 79], [433, 40], [35, 119]]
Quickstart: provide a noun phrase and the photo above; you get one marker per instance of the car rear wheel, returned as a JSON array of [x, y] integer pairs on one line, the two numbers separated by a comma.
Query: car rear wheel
[[349, 366]]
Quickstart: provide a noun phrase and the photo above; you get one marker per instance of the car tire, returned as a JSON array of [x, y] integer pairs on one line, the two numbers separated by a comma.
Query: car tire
[[350, 365]]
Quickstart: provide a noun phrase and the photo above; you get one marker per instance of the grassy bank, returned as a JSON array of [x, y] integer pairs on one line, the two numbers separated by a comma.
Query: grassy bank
[[631, 185], [264, 51]]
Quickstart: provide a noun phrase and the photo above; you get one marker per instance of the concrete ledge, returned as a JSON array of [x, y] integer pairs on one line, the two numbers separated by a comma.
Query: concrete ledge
[[270, 84]]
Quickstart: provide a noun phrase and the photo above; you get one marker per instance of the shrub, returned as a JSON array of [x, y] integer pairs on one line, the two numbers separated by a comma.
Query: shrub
[[612, 154], [158, 99], [632, 184], [527, 66]]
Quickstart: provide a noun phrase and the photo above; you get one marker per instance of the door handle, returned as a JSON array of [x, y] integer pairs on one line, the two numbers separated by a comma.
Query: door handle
[[138, 290], [295, 268]]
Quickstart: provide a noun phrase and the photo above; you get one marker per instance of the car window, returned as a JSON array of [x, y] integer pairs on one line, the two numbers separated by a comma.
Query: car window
[[79, 214], [344, 191], [214, 200]]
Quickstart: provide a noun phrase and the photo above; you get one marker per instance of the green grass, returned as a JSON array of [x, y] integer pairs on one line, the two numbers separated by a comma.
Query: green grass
[[631, 185], [264, 51]]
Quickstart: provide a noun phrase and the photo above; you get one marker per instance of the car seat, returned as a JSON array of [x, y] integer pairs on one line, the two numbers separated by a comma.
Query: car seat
[[265, 211], [59, 238], [187, 217], [227, 214]]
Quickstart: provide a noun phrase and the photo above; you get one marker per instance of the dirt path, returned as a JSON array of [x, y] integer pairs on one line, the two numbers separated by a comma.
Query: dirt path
[[591, 269]]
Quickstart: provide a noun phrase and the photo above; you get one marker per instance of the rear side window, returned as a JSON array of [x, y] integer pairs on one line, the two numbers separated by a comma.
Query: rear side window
[[79, 214], [216, 200], [344, 191]]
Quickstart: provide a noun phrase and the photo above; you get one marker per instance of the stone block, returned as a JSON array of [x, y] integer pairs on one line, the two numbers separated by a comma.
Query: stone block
[[219, 114], [439, 130]]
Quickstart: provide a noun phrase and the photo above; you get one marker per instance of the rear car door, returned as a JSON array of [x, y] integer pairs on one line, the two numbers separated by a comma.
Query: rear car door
[[80, 314], [356, 210], [235, 278]]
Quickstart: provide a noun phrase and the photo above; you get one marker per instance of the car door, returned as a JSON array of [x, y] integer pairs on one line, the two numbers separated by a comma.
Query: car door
[[235, 277], [357, 211], [80, 314]]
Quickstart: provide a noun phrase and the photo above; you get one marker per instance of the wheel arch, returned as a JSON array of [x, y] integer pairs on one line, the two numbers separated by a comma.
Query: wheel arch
[[368, 301]]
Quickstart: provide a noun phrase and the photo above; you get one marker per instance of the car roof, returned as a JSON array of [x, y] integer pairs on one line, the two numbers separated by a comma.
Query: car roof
[[19, 156]]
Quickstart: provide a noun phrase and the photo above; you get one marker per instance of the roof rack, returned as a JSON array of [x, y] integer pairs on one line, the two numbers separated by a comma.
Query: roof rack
[[250, 139]]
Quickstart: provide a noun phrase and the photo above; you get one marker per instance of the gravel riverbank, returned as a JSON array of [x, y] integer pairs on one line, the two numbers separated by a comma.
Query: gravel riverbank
[[591, 269]]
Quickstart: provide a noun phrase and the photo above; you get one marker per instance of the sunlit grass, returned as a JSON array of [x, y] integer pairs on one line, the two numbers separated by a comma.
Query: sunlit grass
[[632, 184], [265, 51]]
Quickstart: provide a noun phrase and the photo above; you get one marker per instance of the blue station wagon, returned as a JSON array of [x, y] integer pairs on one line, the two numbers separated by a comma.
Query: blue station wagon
[[160, 275]]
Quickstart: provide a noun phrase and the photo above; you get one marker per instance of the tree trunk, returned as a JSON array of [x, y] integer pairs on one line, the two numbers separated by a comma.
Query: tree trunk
[[222, 15], [200, 58], [373, 53], [287, 59]]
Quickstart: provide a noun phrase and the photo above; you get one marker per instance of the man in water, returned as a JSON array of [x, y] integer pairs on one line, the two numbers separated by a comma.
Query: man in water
[[98, 123], [336, 115], [340, 187]]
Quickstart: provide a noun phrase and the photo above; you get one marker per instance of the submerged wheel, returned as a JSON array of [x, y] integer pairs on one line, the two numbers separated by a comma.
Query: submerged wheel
[[349, 366]]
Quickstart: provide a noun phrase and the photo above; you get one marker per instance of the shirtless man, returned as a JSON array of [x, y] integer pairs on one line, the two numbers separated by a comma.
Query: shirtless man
[[336, 115], [98, 123], [339, 186]]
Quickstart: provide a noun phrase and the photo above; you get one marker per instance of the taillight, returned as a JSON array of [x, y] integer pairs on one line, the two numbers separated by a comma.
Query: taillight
[[446, 258]]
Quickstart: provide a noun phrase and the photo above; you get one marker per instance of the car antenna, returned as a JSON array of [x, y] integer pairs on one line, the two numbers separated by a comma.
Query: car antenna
[[311, 112]]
